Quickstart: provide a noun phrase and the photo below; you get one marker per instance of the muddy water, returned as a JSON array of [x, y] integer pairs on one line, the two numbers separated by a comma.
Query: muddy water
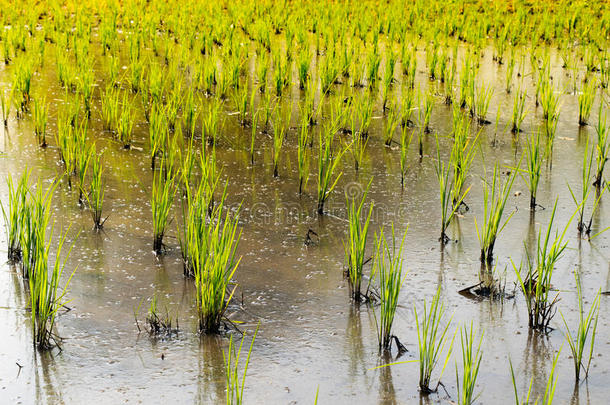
[[310, 336]]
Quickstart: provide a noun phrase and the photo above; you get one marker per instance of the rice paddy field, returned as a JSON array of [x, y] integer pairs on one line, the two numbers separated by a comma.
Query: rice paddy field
[[296, 202]]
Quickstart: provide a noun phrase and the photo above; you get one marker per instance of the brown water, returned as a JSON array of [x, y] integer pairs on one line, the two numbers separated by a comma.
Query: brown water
[[310, 335]]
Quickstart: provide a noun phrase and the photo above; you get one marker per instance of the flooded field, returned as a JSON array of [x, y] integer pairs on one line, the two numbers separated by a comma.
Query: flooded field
[[314, 341]]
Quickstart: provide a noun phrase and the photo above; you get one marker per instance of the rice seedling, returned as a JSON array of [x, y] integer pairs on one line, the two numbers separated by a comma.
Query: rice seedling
[[6, 101], [235, 385], [432, 58], [14, 214], [124, 125], [281, 74], [536, 283], [190, 112], [163, 192], [253, 133], [510, 71], [110, 107], [355, 245], [39, 112], [449, 201], [425, 113], [372, 73], [550, 129], [211, 120], [308, 109], [327, 165], [364, 108], [85, 87], [601, 147], [67, 144], [551, 384], [328, 73], [391, 58], [46, 297], [519, 111], [465, 85], [409, 65], [198, 204], [95, 196], [391, 124], [347, 59], [358, 143], [113, 71], [240, 98], [280, 126], [548, 100], [65, 73], [136, 73], [443, 64], [388, 263], [302, 155], [405, 143], [386, 89], [604, 73], [462, 155], [586, 177], [158, 132], [23, 81], [262, 67], [6, 46], [214, 267], [471, 362], [482, 99], [590, 59], [83, 158], [157, 323], [495, 196], [584, 335], [187, 161], [304, 62], [585, 101], [432, 340], [155, 82], [33, 224], [172, 106], [534, 158]]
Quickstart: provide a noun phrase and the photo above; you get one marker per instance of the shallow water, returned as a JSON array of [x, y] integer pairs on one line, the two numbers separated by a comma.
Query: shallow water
[[310, 336]]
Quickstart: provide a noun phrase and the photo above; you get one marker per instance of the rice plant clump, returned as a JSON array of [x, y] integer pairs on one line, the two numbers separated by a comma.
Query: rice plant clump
[[432, 340], [46, 295], [495, 196], [355, 246], [95, 196], [214, 269], [14, 214], [584, 335], [39, 111], [163, 192], [536, 283], [389, 268], [471, 364], [328, 162]]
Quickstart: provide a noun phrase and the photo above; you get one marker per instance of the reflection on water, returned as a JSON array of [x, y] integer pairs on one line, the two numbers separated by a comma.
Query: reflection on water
[[387, 393], [211, 380]]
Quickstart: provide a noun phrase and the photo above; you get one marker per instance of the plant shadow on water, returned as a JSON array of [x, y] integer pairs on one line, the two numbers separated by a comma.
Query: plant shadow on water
[[211, 378]]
